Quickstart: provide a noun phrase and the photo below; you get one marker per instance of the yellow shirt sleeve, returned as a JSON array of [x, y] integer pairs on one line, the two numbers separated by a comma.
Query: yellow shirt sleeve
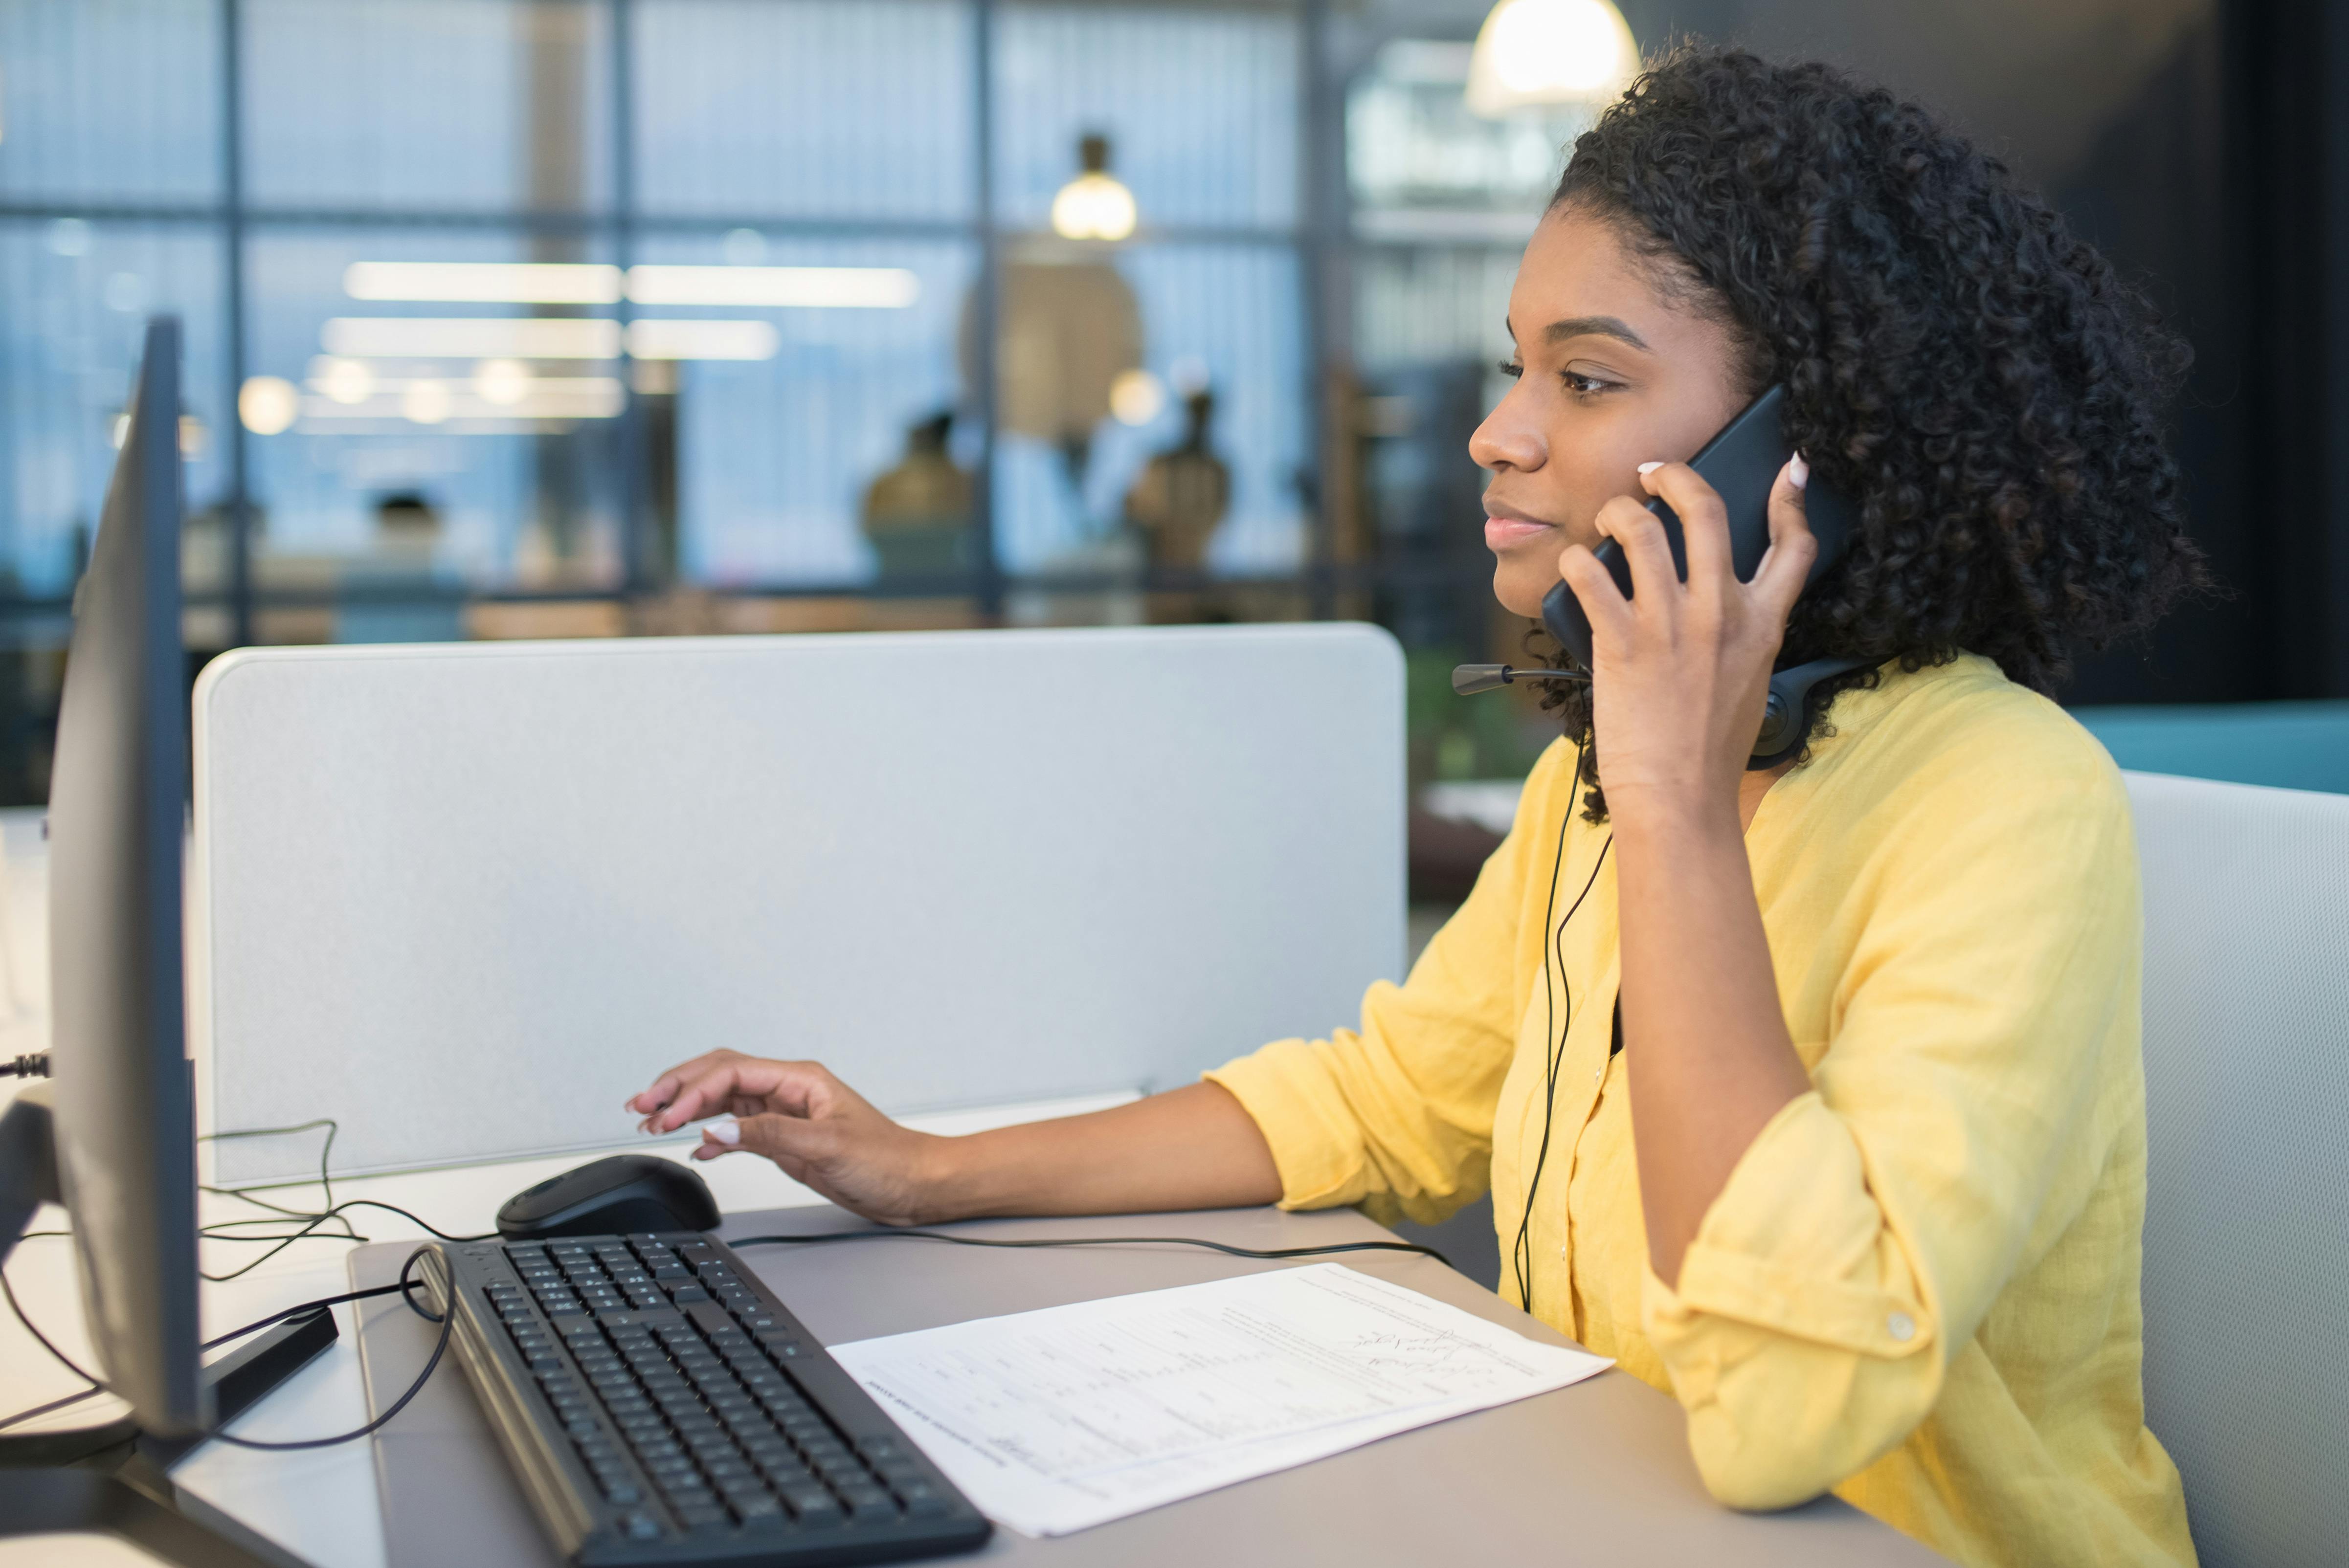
[[1867, 1229], [1398, 1116]]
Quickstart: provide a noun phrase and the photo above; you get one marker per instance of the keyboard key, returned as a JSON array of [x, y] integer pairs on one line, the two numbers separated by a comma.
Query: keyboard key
[[868, 1502], [684, 1294], [812, 1505], [638, 1526], [758, 1513], [703, 1518], [924, 1500]]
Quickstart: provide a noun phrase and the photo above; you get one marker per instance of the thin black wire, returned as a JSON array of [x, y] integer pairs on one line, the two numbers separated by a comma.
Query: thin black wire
[[97, 1389], [40, 1338], [822, 1238], [1521, 1257], [326, 1153], [90, 1393], [404, 1287], [447, 1321], [220, 1230]]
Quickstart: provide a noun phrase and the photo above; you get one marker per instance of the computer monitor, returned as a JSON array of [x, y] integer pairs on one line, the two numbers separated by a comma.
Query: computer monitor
[[124, 1107]]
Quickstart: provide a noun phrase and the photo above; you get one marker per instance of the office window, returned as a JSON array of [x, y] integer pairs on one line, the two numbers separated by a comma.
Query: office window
[[494, 417], [109, 101], [795, 411], [1213, 318], [821, 108], [480, 105], [78, 293], [1200, 109], [633, 304]]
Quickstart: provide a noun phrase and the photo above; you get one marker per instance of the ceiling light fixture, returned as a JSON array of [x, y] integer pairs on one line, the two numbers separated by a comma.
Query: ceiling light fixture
[[550, 283], [472, 337], [267, 404], [1094, 206], [490, 283], [696, 339], [1535, 54]]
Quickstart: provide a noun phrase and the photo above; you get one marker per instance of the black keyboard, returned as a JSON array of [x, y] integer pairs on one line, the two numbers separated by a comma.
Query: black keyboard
[[660, 1406]]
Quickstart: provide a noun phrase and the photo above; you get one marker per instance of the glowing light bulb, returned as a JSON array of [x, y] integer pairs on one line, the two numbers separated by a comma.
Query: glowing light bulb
[[504, 382], [425, 402], [346, 381], [1094, 206], [267, 404], [1136, 396], [1531, 53]]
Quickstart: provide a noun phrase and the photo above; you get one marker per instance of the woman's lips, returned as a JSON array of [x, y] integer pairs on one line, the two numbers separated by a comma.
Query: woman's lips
[[1501, 533]]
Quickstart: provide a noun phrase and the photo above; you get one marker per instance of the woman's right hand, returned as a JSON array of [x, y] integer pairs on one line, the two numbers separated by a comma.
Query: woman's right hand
[[824, 1134]]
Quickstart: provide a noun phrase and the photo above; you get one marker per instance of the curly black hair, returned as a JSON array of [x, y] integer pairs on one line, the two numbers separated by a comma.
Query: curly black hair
[[1972, 374]]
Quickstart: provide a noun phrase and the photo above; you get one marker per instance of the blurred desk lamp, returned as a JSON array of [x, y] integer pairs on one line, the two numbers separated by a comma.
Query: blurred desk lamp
[[1533, 54]]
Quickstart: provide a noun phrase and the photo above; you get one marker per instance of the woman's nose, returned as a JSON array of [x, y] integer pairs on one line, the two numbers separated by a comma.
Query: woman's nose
[[1506, 439]]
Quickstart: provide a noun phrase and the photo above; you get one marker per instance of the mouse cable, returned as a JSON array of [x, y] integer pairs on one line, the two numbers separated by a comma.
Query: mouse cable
[[405, 1287], [821, 1239]]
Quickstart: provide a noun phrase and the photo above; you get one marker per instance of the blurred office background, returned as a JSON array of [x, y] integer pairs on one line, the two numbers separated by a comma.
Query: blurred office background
[[628, 317]]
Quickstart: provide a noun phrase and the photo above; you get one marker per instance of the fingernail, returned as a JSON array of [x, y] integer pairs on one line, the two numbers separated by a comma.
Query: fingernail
[[1799, 472], [1650, 468], [726, 1132]]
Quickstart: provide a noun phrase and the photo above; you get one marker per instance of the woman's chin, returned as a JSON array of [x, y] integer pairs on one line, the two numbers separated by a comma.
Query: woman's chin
[[1519, 586]]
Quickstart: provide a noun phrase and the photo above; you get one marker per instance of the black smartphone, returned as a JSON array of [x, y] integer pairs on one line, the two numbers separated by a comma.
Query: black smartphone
[[1742, 462]]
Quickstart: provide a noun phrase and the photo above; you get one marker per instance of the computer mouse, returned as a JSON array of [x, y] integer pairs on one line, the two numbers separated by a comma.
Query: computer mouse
[[615, 1196]]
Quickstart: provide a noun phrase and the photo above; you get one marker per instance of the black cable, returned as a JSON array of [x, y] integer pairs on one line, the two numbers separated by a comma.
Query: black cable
[[40, 1338], [32, 1064], [90, 1393], [404, 1287], [326, 1153], [307, 1231], [310, 1306], [1521, 1258], [822, 1237], [448, 1321]]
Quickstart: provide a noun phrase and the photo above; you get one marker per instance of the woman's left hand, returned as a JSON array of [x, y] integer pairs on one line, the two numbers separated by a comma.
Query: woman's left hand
[[1681, 671]]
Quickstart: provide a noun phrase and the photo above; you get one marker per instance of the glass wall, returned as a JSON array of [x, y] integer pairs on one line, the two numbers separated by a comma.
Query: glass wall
[[512, 317]]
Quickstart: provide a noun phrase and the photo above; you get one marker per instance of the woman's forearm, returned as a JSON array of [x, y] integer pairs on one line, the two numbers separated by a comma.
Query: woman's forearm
[[1708, 1056], [1191, 1148]]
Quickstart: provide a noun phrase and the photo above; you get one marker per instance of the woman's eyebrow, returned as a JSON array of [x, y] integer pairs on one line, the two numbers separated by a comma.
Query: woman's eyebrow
[[1594, 327]]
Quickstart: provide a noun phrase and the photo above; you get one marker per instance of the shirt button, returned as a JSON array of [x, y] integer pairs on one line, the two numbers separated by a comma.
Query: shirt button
[[1597, 1075], [1901, 1326], [1561, 1253]]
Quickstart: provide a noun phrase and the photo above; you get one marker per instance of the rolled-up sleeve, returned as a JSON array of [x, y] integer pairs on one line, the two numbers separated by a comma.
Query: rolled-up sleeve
[[1866, 1231], [1397, 1115]]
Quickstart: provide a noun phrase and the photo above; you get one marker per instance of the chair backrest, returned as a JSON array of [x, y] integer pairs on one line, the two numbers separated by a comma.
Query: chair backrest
[[2246, 1213]]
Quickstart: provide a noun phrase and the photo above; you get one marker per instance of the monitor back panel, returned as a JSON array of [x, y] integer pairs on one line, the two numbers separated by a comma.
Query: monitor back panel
[[465, 898]]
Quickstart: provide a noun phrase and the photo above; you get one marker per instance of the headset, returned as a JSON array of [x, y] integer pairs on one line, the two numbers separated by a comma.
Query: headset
[[1742, 462]]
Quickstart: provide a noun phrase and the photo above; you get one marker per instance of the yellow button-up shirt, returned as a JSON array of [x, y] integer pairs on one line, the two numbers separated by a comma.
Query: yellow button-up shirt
[[1918, 1288]]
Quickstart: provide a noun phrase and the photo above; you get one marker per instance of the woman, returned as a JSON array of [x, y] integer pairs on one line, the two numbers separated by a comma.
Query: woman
[[1811, 1095]]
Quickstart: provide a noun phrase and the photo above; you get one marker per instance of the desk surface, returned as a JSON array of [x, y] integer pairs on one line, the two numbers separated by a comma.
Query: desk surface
[[1598, 1472]]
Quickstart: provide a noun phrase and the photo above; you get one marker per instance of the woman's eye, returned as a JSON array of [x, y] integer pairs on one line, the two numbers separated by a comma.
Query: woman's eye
[[1510, 368], [1585, 386]]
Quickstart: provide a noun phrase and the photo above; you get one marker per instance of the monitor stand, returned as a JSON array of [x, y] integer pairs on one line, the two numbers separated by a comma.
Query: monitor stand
[[115, 1479]]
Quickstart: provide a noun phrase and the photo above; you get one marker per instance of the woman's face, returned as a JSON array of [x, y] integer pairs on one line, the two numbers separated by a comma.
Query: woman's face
[[1611, 374]]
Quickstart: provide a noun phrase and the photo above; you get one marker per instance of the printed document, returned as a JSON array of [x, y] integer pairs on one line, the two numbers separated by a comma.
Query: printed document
[[1056, 1420]]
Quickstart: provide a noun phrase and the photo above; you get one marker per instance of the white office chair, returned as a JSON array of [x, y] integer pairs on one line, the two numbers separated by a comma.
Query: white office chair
[[2246, 1213]]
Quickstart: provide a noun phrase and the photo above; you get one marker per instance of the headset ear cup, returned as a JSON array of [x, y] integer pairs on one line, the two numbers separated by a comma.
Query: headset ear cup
[[1775, 712]]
